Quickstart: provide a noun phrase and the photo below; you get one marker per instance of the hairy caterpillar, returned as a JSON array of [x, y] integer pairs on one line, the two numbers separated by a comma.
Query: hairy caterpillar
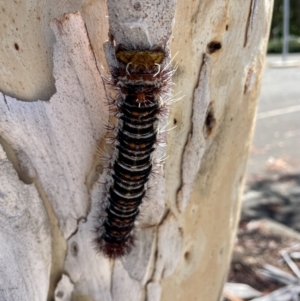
[[141, 79]]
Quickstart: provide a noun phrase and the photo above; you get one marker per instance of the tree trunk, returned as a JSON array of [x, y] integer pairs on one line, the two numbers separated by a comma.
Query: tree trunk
[[53, 119]]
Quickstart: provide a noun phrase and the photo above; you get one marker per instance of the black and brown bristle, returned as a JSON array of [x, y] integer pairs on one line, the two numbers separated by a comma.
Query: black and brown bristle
[[141, 80]]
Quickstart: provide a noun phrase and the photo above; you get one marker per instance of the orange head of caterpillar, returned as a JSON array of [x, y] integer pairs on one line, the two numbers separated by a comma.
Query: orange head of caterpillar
[[140, 61]]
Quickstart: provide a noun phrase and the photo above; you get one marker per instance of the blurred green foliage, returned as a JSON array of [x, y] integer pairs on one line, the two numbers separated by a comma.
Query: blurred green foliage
[[277, 21], [275, 43]]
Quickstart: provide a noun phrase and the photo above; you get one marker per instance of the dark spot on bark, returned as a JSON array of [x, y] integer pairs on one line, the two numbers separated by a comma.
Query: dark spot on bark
[[74, 248], [59, 294], [210, 121], [187, 255], [175, 121], [226, 27], [16, 46], [137, 6], [213, 47]]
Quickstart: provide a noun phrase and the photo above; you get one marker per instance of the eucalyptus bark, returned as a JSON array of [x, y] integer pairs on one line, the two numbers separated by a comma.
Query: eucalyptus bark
[[53, 117]]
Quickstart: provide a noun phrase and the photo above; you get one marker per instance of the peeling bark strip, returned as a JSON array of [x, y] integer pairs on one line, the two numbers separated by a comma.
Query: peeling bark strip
[[251, 19], [45, 134], [141, 23], [196, 144], [25, 241]]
